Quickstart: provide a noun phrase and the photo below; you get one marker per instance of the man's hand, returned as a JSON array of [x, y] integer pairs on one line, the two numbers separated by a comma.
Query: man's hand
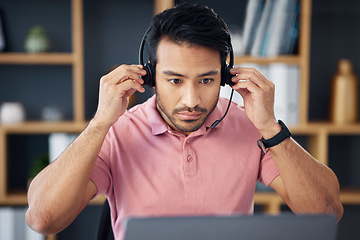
[[258, 94], [115, 90]]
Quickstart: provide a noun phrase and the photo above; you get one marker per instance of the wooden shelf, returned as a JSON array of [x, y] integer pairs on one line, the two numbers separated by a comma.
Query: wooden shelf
[[271, 200], [305, 129], [43, 127], [37, 58], [350, 196], [289, 59], [337, 129], [326, 127], [20, 199], [14, 199]]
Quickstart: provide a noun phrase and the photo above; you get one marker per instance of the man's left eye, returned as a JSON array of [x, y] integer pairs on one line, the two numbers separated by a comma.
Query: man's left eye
[[206, 80]]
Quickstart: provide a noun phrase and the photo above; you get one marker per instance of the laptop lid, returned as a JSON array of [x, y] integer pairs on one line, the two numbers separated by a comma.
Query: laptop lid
[[257, 227]]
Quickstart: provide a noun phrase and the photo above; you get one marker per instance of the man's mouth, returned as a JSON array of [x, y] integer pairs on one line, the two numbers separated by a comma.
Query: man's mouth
[[189, 115]]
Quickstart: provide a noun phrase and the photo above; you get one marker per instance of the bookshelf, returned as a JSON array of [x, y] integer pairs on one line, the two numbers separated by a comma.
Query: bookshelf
[[317, 133], [77, 124]]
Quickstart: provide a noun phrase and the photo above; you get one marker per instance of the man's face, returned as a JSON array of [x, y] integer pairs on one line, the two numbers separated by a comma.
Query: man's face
[[187, 84]]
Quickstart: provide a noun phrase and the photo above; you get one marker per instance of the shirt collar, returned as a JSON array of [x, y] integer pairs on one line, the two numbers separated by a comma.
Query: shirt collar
[[159, 126]]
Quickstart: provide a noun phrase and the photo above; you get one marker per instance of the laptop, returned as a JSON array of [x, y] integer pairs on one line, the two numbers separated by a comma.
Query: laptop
[[256, 227]]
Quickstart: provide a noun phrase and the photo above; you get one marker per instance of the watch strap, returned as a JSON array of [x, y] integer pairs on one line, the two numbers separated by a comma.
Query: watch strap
[[278, 138]]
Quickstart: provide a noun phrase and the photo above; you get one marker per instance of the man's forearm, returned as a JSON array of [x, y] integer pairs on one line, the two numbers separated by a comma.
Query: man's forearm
[[57, 194], [310, 185]]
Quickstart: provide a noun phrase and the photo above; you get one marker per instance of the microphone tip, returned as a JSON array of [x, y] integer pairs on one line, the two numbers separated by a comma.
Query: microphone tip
[[215, 124]]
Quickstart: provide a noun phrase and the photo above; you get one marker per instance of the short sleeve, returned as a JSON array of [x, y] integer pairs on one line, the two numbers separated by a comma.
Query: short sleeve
[[101, 174], [268, 170]]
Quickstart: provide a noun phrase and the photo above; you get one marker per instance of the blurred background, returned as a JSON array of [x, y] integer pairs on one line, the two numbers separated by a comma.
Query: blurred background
[[112, 31]]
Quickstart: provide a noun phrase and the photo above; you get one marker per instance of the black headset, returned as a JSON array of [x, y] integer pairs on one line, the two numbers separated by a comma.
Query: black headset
[[149, 78]]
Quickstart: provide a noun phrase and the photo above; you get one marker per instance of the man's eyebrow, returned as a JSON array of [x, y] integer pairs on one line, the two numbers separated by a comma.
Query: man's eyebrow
[[172, 73], [210, 73]]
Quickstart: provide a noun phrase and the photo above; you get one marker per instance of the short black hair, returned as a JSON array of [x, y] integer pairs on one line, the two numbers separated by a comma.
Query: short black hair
[[190, 23]]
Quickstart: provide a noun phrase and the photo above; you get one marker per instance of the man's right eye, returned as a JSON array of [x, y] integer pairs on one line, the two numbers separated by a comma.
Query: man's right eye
[[174, 81]]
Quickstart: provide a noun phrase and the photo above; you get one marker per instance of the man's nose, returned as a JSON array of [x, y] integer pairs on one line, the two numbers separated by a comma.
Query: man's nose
[[191, 96]]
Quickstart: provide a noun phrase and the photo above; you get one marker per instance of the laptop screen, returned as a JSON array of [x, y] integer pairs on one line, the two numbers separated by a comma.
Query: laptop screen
[[257, 227]]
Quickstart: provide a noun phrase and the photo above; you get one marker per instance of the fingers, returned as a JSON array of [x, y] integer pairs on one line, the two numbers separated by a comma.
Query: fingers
[[115, 89], [126, 72], [128, 85], [243, 74], [129, 74], [250, 79]]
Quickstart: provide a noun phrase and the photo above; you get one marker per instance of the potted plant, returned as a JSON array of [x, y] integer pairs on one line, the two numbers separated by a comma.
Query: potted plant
[[37, 164]]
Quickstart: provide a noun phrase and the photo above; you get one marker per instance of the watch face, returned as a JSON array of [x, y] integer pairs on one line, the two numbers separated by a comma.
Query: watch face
[[261, 145]]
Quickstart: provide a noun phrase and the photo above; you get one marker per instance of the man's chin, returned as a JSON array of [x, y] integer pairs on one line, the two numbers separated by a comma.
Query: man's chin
[[188, 126]]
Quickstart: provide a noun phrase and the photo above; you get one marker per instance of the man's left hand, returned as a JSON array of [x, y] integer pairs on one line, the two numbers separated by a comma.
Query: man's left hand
[[258, 93]]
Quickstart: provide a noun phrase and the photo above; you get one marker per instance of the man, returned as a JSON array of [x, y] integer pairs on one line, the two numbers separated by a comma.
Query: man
[[162, 157]]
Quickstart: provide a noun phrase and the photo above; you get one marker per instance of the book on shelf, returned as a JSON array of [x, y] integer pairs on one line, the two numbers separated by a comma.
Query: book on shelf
[[270, 28], [13, 225], [252, 19], [276, 28], [291, 28], [7, 223], [286, 103], [2, 33], [262, 31]]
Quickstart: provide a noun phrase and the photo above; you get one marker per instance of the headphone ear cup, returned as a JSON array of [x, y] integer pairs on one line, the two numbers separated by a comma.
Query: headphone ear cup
[[148, 78], [225, 75]]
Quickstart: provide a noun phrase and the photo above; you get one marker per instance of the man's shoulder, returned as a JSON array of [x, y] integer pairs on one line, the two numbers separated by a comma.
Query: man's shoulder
[[142, 116], [141, 110]]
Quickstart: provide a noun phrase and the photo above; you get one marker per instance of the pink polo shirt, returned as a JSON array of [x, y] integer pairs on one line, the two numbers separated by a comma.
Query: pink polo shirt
[[147, 169]]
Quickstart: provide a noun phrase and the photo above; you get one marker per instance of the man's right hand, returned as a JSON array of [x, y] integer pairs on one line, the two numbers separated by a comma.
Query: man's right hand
[[115, 90]]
